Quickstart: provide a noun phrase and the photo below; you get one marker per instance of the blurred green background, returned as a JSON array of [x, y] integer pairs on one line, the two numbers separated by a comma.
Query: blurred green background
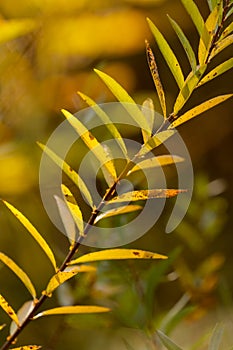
[[48, 50]]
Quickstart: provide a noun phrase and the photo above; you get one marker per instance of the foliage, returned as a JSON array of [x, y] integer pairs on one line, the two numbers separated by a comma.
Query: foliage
[[214, 36]]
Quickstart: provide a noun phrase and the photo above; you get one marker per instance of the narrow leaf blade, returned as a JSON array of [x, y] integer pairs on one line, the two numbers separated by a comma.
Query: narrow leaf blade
[[190, 84], [167, 342], [22, 314], [168, 54], [122, 96], [156, 78], [221, 45], [195, 15], [74, 208], [63, 276], [77, 180], [214, 73], [117, 254], [8, 309], [155, 141], [34, 233], [200, 109], [118, 211], [19, 273], [185, 43], [64, 310], [105, 118], [228, 30], [28, 347], [155, 162], [97, 149], [144, 195], [2, 326]]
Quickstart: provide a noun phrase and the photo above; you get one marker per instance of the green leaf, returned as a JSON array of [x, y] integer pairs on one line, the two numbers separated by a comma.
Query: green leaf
[[156, 79], [168, 54], [19, 273], [33, 232], [62, 276], [221, 45], [228, 30], [195, 15], [74, 208], [118, 211], [144, 195], [156, 162], [97, 149], [106, 120], [209, 31], [212, 4], [116, 254], [28, 347], [122, 96], [167, 342], [71, 173], [190, 84], [82, 309], [8, 309], [216, 337], [155, 141], [205, 106], [185, 43], [214, 73], [11, 29]]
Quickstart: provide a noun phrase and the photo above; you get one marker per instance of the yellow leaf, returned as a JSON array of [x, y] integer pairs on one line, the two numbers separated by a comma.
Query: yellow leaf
[[155, 75], [82, 309], [2, 326], [19, 273], [117, 254], [122, 96], [33, 231], [28, 347], [105, 118], [156, 162], [63, 276], [118, 211], [74, 208], [8, 309], [98, 150], [208, 33], [221, 45], [168, 54], [200, 109], [144, 195], [155, 141], [214, 73], [71, 173], [190, 83]]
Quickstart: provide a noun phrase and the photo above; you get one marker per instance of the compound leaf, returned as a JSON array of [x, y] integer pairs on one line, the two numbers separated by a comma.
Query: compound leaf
[[168, 54], [33, 232], [205, 106], [71, 173], [117, 254], [97, 149], [19, 273], [82, 309]]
